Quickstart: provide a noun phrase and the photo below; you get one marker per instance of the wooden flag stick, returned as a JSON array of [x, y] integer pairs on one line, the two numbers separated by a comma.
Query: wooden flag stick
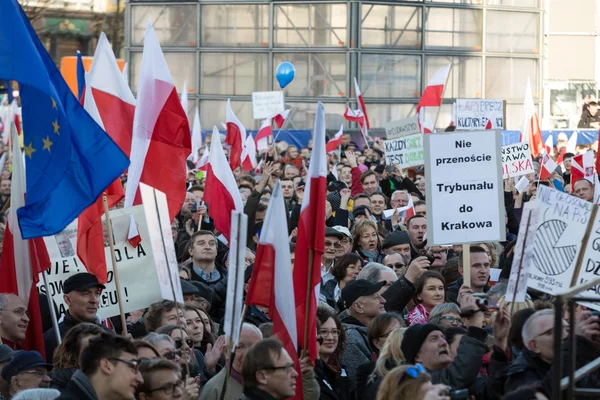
[[466, 257], [114, 263], [584, 242], [51, 308], [512, 304], [308, 298]]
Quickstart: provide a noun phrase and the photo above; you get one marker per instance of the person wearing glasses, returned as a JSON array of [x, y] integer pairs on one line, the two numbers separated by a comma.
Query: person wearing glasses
[[411, 382], [397, 262], [268, 372], [14, 319], [446, 315], [162, 381], [331, 339], [332, 244], [26, 370], [109, 370]]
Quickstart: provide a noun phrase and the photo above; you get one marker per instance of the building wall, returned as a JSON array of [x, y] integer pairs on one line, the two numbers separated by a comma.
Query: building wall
[[231, 48]]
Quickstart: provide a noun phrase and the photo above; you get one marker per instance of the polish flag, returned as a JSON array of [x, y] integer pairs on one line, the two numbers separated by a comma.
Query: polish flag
[[582, 166], [531, 131], [10, 114], [548, 167], [236, 137], [184, 98], [196, 138], [335, 141], [109, 101], [425, 123], [271, 285], [202, 164], [310, 240], [133, 235], [572, 143], [432, 95], [549, 145], [23, 260], [249, 154], [598, 159], [262, 137], [223, 196], [125, 72], [281, 117], [362, 107], [354, 116], [409, 210], [161, 133]]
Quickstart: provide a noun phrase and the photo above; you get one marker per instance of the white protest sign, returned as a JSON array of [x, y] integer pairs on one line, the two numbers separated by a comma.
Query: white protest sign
[[561, 225], [404, 151], [138, 278], [516, 160], [465, 199], [523, 247], [590, 266], [402, 127], [266, 104], [476, 113]]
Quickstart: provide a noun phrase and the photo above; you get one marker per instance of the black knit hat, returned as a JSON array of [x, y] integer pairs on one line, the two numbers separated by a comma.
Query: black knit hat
[[335, 199], [395, 238], [414, 338]]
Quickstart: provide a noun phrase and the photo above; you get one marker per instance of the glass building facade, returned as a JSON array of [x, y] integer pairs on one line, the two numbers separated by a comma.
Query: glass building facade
[[229, 49]]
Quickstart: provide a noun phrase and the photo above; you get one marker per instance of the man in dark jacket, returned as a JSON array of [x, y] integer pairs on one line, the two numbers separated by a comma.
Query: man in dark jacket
[[109, 370], [589, 117], [82, 295], [363, 303]]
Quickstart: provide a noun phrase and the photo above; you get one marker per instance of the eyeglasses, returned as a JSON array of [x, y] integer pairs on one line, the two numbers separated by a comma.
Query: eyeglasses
[[452, 320], [36, 372], [168, 388], [18, 311], [179, 343], [133, 364], [335, 245], [413, 372], [286, 368], [396, 265], [172, 355], [334, 332]]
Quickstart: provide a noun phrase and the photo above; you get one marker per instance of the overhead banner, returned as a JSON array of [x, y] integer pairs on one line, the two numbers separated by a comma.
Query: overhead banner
[[470, 114], [405, 151], [465, 199], [402, 127], [516, 160], [266, 104], [138, 273], [562, 222]]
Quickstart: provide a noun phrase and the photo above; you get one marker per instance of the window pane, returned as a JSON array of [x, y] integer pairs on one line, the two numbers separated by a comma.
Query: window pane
[[181, 65], [514, 3], [322, 74], [387, 75], [235, 25], [512, 32], [233, 73], [506, 78], [465, 76], [174, 25], [454, 27], [302, 115], [380, 114], [390, 26], [471, 2], [310, 25], [212, 113]]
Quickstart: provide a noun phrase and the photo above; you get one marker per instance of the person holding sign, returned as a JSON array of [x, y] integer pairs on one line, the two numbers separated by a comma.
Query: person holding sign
[[480, 274]]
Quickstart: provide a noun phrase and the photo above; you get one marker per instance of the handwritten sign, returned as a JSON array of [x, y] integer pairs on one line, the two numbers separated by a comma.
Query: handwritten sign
[[516, 160], [479, 114], [465, 200], [590, 266], [402, 127], [404, 151], [266, 104]]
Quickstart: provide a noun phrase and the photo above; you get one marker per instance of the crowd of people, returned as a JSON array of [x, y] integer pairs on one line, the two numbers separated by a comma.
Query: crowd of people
[[396, 319]]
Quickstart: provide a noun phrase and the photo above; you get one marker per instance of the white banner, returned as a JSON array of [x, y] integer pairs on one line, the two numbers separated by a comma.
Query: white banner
[[266, 104], [516, 160], [404, 151], [475, 113], [402, 127], [465, 199]]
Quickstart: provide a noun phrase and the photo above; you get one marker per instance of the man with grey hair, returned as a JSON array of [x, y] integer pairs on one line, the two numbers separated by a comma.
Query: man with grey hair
[[534, 364], [14, 319], [375, 273], [399, 199]]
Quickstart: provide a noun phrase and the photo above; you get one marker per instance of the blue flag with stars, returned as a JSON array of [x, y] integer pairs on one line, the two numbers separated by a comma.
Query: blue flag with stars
[[70, 160]]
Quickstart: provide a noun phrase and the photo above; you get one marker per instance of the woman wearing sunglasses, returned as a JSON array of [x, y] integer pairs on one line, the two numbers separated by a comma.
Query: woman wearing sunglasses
[[430, 291], [411, 382], [184, 348]]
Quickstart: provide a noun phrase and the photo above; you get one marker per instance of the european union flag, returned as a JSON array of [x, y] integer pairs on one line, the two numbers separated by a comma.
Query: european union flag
[[70, 160]]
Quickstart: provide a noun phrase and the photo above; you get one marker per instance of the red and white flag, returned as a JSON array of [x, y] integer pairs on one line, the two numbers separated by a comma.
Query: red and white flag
[[236, 137], [311, 238], [572, 143], [547, 167], [196, 138], [281, 117], [271, 285], [161, 133], [549, 145], [184, 98], [223, 196], [125, 72], [432, 95], [23, 260], [262, 137], [202, 164], [335, 141], [409, 210], [133, 235], [582, 166], [361, 106], [531, 132], [249, 154]]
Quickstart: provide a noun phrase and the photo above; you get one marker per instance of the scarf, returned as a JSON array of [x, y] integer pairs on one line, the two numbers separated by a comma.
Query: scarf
[[419, 315]]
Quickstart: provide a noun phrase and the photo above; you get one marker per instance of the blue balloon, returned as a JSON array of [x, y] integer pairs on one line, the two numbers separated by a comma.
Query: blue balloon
[[285, 73]]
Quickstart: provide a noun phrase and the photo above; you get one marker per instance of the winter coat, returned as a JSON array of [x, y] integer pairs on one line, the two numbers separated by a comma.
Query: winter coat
[[358, 351], [333, 384], [256, 394], [79, 388], [60, 378], [399, 295]]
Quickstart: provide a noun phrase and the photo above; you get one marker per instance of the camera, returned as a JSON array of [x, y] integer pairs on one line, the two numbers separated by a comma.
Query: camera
[[425, 253], [462, 394]]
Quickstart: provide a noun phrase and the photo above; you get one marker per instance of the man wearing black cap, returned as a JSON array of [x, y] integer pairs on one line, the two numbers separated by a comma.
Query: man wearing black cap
[[363, 303], [82, 295], [6, 354], [397, 242], [26, 370]]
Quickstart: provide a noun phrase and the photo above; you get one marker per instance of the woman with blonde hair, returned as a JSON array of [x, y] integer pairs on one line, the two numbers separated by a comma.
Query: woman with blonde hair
[[411, 382], [390, 357], [367, 243]]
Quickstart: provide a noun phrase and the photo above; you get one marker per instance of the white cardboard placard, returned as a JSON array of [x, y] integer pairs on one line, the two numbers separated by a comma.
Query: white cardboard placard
[[516, 160], [404, 151], [402, 127], [266, 104], [475, 113]]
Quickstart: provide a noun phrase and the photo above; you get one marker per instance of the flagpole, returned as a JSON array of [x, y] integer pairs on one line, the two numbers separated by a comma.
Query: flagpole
[[51, 307], [512, 304], [231, 358], [437, 114], [308, 299], [114, 263]]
